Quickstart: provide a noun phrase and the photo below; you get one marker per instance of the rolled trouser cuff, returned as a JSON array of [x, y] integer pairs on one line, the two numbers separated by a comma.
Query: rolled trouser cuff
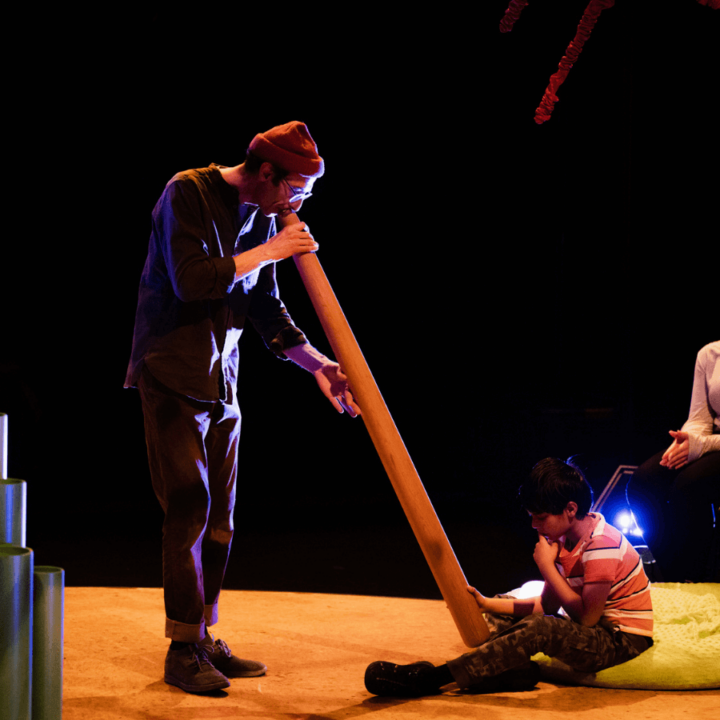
[[210, 614], [182, 632]]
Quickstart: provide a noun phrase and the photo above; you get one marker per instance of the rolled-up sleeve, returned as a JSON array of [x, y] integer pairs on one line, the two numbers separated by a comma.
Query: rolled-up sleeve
[[269, 316]]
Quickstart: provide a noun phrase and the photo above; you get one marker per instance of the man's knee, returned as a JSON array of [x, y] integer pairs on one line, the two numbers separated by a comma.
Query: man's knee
[[188, 507], [221, 533]]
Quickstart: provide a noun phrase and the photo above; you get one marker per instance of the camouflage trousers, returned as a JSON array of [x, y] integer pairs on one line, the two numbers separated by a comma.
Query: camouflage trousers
[[514, 641]]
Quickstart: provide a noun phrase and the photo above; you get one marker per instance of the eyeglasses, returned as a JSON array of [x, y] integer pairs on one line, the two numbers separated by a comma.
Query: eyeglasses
[[297, 194]]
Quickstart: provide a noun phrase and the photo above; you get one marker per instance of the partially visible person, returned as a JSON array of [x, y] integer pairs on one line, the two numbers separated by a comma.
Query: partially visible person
[[591, 571], [672, 494]]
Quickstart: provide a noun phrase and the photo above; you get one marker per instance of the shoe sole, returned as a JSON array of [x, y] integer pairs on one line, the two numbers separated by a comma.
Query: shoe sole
[[219, 685]]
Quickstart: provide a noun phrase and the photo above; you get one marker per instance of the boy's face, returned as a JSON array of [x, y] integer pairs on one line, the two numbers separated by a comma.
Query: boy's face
[[553, 527]]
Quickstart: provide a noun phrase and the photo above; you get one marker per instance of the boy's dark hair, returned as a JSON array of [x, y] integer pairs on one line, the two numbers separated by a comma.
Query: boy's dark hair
[[253, 163], [552, 485]]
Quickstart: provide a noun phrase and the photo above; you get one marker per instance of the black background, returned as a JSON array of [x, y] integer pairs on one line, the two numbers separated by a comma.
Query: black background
[[519, 291]]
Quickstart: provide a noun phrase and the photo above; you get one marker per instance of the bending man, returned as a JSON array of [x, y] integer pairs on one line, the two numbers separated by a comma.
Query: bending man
[[210, 267]]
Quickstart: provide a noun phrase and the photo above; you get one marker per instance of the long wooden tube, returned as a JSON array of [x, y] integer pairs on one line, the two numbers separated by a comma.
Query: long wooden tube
[[391, 449]]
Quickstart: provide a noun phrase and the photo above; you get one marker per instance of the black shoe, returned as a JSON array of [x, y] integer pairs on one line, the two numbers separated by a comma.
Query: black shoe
[[220, 655], [390, 680], [190, 670]]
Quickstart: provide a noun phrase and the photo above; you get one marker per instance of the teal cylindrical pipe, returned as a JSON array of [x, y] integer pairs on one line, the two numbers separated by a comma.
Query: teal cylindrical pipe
[[47, 662], [13, 511], [16, 602]]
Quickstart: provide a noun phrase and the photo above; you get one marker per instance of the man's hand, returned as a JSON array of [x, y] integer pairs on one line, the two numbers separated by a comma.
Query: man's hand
[[328, 375], [292, 239], [546, 553], [333, 383], [677, 454], [295, 238]]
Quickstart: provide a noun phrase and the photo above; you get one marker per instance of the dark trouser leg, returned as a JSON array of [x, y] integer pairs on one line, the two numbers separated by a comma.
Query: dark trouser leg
[[222, 446], [582, 648], [647, 494], [673, 508], [689, 515], [176, 428]]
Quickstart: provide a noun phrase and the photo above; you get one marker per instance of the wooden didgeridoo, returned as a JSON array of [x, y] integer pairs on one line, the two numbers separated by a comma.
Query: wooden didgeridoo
[[391, 449]]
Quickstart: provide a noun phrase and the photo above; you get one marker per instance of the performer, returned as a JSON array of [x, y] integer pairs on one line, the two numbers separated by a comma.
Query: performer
[[590, 571], [210, 266], [672, 494]]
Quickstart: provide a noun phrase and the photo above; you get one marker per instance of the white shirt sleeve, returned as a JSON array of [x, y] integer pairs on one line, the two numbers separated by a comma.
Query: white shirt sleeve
[[703, 423]]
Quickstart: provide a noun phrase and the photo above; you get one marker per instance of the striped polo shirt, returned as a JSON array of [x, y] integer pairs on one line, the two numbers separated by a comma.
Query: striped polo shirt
[[605, 554]]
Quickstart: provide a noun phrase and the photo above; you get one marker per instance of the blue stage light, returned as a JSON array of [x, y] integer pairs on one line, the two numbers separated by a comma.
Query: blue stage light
[[623, 521], [626, 522]]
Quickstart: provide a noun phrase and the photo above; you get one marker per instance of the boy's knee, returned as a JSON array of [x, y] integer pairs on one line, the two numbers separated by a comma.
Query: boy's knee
[[538, 625]]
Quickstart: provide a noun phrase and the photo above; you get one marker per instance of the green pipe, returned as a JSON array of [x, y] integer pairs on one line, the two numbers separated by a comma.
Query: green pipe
[[16, 602], [13, 511], [47, 663]]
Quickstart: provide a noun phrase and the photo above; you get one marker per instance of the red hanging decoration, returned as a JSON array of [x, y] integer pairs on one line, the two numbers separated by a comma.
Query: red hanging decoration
[[512, 14], [587, 23]]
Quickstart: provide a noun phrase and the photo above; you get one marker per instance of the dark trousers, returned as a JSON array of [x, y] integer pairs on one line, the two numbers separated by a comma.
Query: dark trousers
[[674, 510], [513, 641], [192, 452]]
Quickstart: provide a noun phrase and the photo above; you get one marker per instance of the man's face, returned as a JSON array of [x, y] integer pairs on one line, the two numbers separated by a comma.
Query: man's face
[[278, 199]]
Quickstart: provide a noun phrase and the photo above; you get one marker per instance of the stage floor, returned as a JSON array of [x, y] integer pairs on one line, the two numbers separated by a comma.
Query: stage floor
[[316, 648]]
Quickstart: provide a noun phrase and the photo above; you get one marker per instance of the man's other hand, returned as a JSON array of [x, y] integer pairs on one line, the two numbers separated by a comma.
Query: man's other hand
[[333, 383]]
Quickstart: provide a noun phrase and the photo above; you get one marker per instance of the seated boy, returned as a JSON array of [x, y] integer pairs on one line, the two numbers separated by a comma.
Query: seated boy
[[590, 571]]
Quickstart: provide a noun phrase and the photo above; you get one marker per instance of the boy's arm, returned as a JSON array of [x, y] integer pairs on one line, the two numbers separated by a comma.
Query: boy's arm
[[585, 609], [550, 601], [507, 606], [545, 604]]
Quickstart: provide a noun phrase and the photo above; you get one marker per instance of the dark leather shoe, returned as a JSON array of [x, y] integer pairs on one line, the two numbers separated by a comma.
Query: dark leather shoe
[[190, 670], [220, 655], [390, 680]]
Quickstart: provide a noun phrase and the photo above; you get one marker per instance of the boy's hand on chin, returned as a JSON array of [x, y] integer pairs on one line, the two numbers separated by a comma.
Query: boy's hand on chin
[[546, 553]]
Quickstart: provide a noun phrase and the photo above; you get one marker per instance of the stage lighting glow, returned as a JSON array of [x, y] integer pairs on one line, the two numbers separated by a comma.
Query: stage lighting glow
[[625, 520], [530, 589]]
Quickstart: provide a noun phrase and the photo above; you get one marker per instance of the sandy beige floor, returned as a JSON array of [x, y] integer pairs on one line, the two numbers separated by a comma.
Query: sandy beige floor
[[316, 648]]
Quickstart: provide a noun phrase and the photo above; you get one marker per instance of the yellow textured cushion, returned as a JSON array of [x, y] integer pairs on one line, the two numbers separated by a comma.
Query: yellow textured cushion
[[686, 653]]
